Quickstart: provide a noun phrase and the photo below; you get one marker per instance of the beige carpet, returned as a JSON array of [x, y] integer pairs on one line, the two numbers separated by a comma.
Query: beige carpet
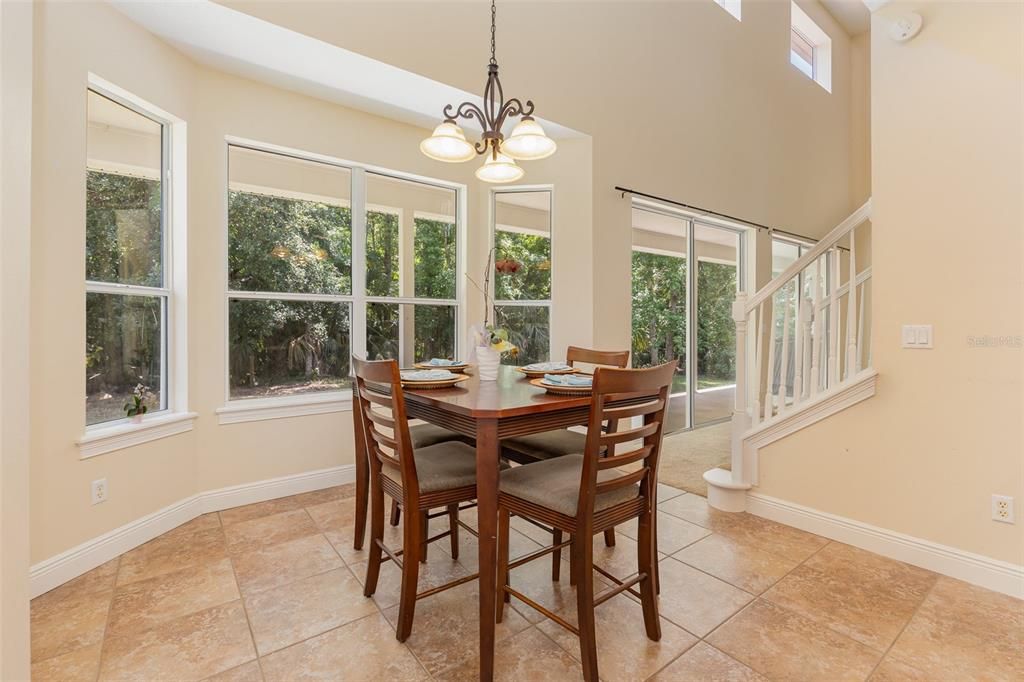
[[686, 456]]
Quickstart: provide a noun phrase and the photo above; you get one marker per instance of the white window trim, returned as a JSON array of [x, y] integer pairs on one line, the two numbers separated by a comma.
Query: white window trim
[[175, 417], [495, 226], [822, 43], [733, 7], [240, 410]]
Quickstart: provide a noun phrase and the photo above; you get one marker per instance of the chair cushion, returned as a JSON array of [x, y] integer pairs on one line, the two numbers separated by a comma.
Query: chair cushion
[[442, 466], [423, 435], [555, 484], [557, 443]]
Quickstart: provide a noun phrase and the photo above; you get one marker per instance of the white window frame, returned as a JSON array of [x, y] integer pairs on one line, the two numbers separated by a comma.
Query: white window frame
[[175, 416], [821, 44], [525, 303], [240, 410], [733, 7]]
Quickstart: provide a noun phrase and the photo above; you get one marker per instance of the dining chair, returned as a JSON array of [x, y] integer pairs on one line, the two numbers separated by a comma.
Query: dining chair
[[540, 446], [442, 475], [560, 442], [421, 436], [587, 493]]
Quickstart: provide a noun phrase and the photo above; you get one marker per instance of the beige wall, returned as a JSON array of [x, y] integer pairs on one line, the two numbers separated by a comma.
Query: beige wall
[[15, 355], [73, 40], [944, 432]]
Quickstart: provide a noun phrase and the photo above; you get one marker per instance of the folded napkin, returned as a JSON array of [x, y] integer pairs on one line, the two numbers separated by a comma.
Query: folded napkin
[[427, 375], [547, 367], [441, 362], [568, 380]]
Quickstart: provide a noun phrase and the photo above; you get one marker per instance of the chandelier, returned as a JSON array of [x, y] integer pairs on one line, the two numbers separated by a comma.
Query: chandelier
[[527, 142]]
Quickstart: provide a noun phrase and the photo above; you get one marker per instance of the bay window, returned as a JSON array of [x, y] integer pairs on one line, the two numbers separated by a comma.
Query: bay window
[[326, 260]]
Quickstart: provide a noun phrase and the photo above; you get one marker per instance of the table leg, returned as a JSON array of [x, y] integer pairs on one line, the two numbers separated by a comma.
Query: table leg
[[362, 476], [487, 466]]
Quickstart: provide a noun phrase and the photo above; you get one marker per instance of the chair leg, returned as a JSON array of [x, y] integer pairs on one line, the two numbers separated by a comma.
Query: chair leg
[[583, 551], [609, 537], [556, 556], [424, 533], [412, 545], [657, 565], [376, 535], [647, 562], [453, 526], [396, 513], [574, 564], [502, 567]]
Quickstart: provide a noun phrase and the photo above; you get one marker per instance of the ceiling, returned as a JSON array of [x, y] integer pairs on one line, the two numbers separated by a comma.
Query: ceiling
[[853, 15]]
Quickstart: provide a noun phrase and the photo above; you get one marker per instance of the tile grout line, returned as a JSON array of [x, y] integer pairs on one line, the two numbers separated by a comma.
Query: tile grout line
[[106, 620], [917, 610], [735, 615]]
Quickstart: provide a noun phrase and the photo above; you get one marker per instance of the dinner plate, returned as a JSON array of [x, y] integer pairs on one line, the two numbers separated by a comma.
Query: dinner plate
[[451, 368], [435, 383], [561, 390], [541, 372]]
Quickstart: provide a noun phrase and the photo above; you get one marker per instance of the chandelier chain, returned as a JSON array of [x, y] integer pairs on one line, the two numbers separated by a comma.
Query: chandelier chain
[[494, 13]]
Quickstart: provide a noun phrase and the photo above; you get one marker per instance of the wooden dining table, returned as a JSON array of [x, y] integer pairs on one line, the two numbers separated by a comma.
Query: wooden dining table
[[487, 411]]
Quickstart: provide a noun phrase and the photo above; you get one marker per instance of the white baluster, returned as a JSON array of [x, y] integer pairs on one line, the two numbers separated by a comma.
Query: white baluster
[[805, 357], [798, 344], [785, 356], [851, 309], [860, 330], [758, 353], [816, 348], [771, 361], [833, 319]]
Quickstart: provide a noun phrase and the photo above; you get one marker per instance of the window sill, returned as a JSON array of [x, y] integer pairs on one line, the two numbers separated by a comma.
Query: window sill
[[260, 409], [108, 439]]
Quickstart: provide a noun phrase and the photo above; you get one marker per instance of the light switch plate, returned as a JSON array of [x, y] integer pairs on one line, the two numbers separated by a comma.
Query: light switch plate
[[917, 336]]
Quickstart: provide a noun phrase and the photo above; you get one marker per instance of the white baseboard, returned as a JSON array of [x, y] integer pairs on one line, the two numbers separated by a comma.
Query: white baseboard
[[57, 570], [993, 574]]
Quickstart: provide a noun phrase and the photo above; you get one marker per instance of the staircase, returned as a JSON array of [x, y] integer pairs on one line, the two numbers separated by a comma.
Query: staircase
[[803, 351]]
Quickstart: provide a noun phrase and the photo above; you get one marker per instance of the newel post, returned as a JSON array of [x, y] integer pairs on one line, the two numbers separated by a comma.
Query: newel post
[[740, 418], [727, 490]]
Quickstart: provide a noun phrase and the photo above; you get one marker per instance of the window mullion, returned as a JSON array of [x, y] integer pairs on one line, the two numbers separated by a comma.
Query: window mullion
[[357, 330]]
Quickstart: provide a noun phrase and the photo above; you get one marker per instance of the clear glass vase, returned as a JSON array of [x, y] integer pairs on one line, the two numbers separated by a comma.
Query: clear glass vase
[[487, 360]]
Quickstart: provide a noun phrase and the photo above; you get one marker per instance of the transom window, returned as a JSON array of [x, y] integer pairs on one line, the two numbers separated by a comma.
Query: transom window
[[318, 271], [810, 48], [801, 52], [128, 278]]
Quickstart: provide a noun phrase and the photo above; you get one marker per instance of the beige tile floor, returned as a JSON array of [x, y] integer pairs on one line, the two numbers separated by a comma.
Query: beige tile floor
[[272, 591]]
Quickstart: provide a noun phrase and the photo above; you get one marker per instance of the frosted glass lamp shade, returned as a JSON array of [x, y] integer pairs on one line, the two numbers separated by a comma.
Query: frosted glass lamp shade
[[528, 141], [448, 143], [499, 168]]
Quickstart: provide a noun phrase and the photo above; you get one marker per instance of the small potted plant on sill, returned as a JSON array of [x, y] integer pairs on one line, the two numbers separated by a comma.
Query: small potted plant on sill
[[135, 408]]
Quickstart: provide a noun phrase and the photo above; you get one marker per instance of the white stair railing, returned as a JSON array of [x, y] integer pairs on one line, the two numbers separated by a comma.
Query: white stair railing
[[800, 335]]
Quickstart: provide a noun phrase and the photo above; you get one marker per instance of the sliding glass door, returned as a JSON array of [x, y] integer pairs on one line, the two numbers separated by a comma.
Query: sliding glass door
[[717, 281], [686, 274], [660, 301]]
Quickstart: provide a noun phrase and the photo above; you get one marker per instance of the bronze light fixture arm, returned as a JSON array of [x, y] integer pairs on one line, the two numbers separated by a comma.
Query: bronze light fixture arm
[[494, 114]]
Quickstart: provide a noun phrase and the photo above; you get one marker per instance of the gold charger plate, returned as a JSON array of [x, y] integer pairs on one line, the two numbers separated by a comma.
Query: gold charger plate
[[442, 383], [540, 373], [562, 390], [454, 369]]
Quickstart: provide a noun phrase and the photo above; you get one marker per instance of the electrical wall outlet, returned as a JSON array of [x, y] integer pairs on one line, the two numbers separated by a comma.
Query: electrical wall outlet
[[99, 490], [1002, 509]]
